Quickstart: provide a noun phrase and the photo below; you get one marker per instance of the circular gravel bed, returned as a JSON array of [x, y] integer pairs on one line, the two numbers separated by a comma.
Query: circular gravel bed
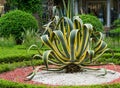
[[79, 78], [60, 78]]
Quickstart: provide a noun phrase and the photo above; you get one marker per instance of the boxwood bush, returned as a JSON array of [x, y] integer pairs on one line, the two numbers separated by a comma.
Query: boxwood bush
[[15, 22], [87, 18], [116, 30], [116, 23]]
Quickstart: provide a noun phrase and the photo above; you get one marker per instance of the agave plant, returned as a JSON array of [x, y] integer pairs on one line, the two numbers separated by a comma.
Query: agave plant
[[73, 46]]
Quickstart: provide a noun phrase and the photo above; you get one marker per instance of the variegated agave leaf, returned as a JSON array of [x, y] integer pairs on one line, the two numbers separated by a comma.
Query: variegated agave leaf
[[68, 9]]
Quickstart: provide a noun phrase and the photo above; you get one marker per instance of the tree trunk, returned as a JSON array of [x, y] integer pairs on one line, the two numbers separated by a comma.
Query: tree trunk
[[50, 4]]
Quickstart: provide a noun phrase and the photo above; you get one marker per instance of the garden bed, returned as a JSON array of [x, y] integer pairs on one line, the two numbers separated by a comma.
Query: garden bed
[[19, 75]]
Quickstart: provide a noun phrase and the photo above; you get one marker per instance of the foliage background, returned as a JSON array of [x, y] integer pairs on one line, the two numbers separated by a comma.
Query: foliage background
[[15, 22], [34, 7], [87, 18], [31, 6]]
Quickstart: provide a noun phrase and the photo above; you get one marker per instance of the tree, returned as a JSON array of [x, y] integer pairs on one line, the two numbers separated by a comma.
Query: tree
[[30, 6]]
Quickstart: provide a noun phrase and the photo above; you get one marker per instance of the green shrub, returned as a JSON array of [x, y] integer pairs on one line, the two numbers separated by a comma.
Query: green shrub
[[28, 35], [7, 42], [86, 18], [9, 84], [4, 67], [18, 58], [116, 30], [15, 22], [116, 23], [31, 6], [15, 54], [109, 58]]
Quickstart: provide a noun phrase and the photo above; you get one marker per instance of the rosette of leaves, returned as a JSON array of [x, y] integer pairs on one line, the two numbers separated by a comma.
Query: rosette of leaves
[[72, 45]]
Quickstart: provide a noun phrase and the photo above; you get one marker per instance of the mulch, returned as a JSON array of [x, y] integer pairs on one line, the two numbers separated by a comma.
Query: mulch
[[19, 74]]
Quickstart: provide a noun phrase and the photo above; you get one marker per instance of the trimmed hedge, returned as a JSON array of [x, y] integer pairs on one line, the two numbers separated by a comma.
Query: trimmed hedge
[[106, 57], [15, 54], [116, 85], [9, 84], [18, 58], [11, 66]]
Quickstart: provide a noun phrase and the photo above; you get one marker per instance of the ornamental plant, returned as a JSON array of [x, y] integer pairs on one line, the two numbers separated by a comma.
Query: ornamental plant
[[15, 23], [72, 44], [116, 23]]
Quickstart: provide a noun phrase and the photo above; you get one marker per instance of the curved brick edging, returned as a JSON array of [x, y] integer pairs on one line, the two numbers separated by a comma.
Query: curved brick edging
[[19, 74]]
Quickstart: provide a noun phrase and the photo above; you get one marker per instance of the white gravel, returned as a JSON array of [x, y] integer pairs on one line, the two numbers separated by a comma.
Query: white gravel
[[81, 78]]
